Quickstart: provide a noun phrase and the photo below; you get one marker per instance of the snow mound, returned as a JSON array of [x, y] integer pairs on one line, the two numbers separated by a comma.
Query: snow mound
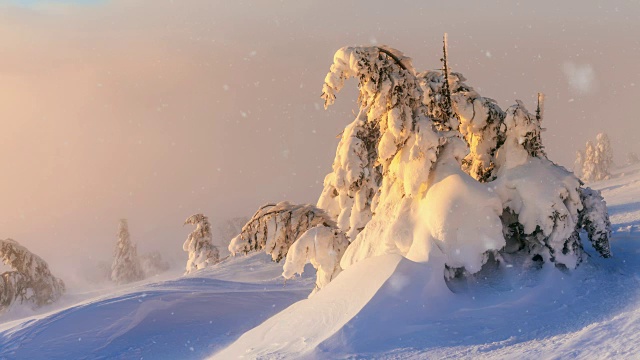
[[304, 325]]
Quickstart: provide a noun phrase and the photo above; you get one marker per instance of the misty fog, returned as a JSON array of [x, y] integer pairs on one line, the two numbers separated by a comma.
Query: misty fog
[[156, 110]]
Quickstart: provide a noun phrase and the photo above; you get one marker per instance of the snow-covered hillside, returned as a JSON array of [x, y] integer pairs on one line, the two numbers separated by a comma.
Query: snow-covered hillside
[[383, 307], [186, 318]]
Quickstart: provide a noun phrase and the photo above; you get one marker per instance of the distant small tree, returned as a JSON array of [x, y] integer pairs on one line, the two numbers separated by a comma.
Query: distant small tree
[[598, 159], [604, 154], [578, 164], [589, 163], [126, 265], [199, 244], [632, 158], [152, 264], [30, 281]]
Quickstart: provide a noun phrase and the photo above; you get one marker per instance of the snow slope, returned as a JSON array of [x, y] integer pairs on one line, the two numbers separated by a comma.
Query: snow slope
[[186, 318], [383, 307], [591, 312]]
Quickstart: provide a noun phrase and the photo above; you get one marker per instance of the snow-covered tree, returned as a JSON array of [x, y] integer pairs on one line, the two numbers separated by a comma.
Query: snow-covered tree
[[301, 233], [322, 246], [588, 165], [421, 196], [152, 264], [604, 156], [126, 265], [578, 164], [632, 158], [598, 159], [30, 281], [594, 218], [541, 200], [391, 117], [199, 244], [537, 203], [274, 227]]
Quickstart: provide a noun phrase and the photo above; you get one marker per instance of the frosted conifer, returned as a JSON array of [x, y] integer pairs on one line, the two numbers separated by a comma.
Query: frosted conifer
[[30, 281], [199, 244], [126, 265]]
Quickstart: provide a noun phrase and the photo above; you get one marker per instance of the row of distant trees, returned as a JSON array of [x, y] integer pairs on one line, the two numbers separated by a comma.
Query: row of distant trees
[[31, 281]]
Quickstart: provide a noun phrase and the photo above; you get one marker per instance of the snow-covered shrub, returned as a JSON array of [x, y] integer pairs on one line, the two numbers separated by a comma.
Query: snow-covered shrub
[[126, 265], [632, 158], [152, 264], [594, 218], [273, 228], [391, 111], [30, 281], [598, 159], [199, 244], [321, 246]]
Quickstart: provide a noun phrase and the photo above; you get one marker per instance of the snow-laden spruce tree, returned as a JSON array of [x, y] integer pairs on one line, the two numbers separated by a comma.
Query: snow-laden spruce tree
[[439, 211], [30, 281], [578, 164], [152, 264], [478, 119], [126, 264], [422, 203], [541, 201], [391, 111], [598, 159], [588, 165], [594, 218], [604, 156], [301, 233], [199, 244]]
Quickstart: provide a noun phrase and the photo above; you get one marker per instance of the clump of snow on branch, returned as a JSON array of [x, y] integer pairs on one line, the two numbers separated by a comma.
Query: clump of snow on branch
[[126, 264], [30, 281], [391, 117], [480, 121], [199, 244], [321, 246]]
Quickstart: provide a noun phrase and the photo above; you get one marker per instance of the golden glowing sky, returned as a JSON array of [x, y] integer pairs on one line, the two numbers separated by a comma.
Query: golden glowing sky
[[154, 110]]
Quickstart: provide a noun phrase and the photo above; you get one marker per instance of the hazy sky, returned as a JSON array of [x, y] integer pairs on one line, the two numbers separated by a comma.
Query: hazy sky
[[155, 110]]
